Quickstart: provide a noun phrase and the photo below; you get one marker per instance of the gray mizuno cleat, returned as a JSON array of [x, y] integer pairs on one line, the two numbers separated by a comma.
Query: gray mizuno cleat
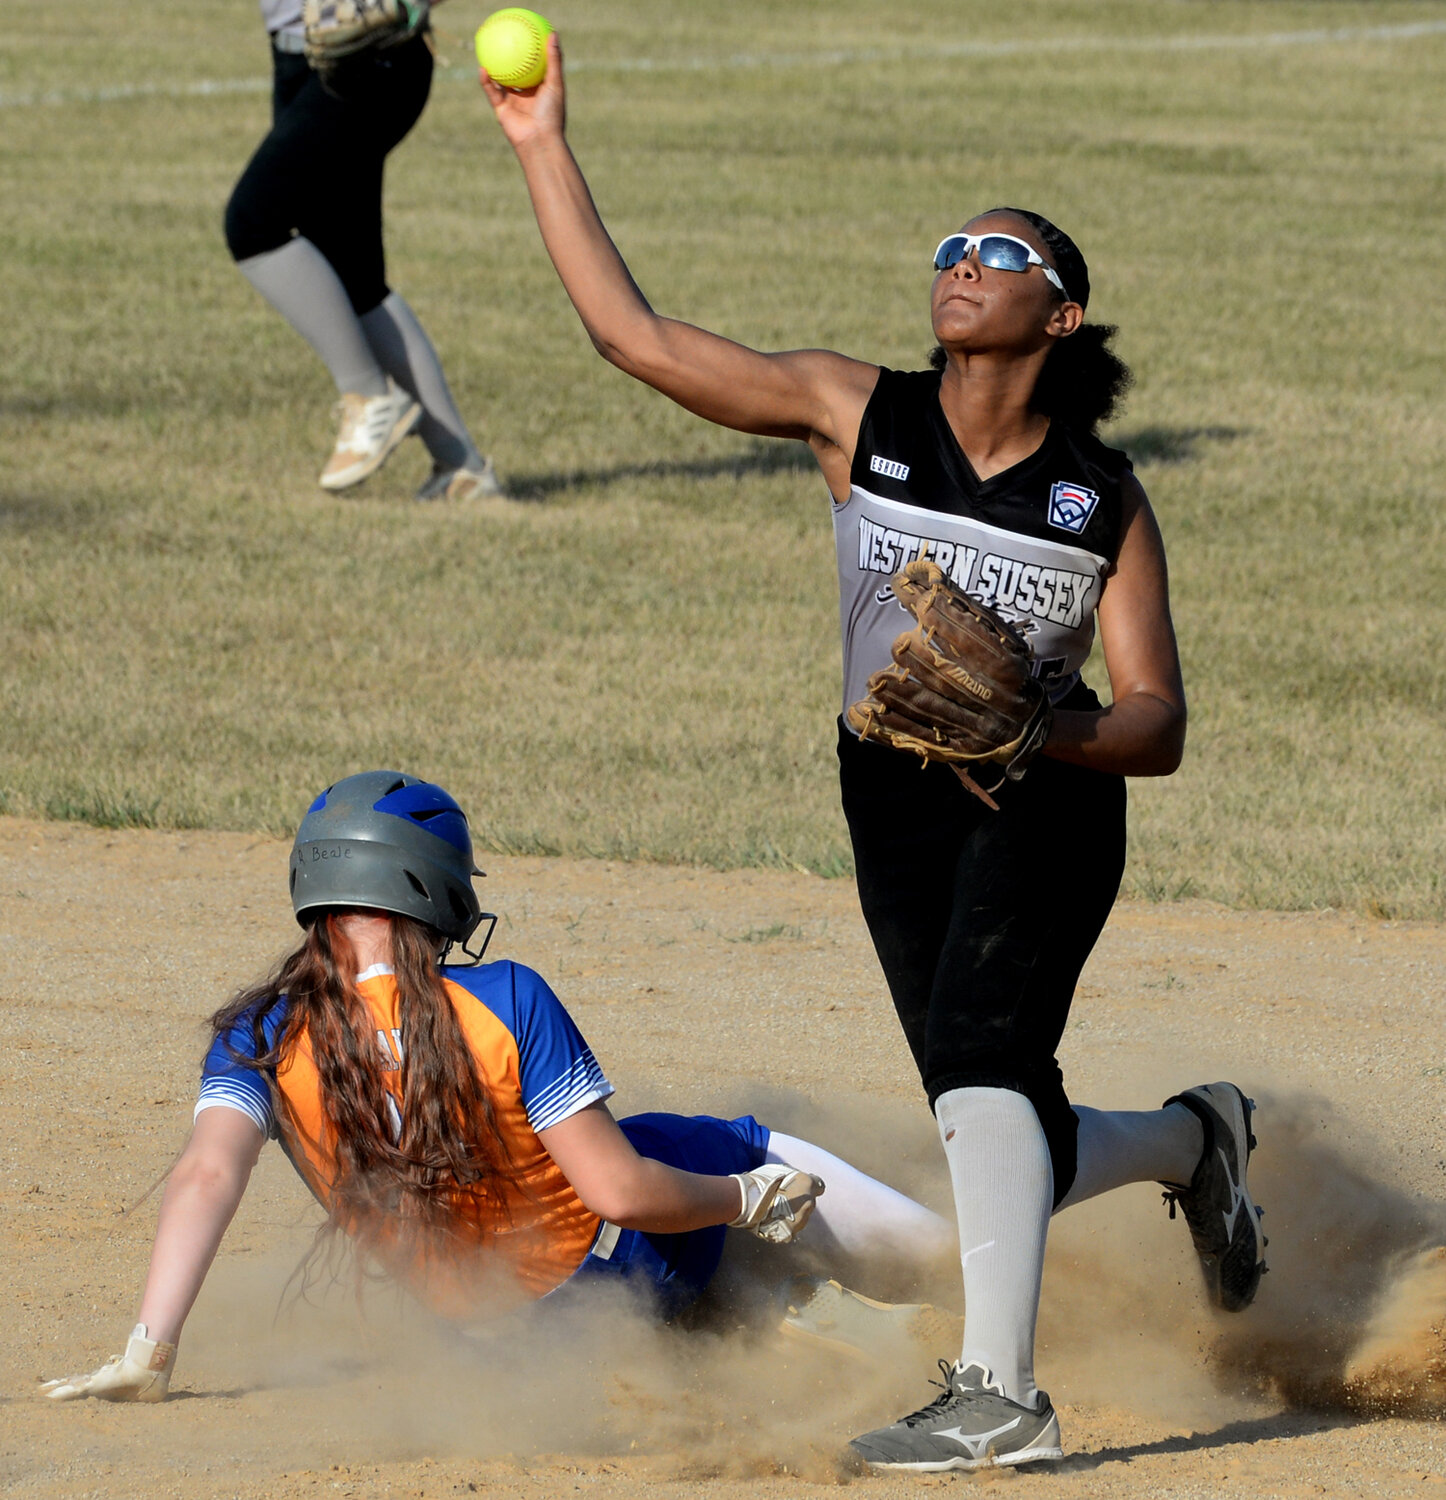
[[971, 1426], [1224, 1222]]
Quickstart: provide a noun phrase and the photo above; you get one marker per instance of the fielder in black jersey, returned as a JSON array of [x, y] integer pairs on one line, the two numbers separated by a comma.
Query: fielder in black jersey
[[990, 465], [982, 920], [1036, 540]]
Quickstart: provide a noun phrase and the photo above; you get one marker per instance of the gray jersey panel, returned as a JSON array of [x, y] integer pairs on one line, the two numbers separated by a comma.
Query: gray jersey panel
[[1048, 588], [281, 15]]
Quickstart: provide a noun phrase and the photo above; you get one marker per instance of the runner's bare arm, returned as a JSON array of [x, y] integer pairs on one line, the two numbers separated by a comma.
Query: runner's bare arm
[[629, 1190], [810, 394], [202, 1192], [201, 1196]]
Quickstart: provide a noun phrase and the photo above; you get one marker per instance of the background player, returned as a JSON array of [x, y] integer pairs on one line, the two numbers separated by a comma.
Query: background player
[[304, 225], [982, 920], [451, 1120]]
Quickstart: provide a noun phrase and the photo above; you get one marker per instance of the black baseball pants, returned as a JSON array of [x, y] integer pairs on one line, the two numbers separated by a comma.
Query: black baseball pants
[[318, 173], [983, 920]]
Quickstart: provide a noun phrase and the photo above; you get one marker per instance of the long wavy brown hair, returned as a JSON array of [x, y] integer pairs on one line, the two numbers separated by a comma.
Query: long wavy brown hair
[[388, 1183]]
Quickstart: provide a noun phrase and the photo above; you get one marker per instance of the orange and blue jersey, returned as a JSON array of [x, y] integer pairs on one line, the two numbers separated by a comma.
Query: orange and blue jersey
[[538, 1071]]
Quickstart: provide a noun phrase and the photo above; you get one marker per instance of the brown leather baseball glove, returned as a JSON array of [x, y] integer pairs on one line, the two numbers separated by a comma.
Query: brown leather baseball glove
[[961, 689], [338, 28]]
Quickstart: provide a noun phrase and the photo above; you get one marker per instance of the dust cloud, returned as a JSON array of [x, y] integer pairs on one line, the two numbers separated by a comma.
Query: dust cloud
[[1350, 1318]]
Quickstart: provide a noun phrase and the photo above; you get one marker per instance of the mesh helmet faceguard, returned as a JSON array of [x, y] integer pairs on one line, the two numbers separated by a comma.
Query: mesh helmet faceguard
[[389, 841]]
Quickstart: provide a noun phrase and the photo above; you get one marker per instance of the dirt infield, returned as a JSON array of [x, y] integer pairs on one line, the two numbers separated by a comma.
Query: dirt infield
[[721, 991]]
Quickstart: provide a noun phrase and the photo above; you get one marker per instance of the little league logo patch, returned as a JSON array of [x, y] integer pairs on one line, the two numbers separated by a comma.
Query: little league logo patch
[[1071, 506]]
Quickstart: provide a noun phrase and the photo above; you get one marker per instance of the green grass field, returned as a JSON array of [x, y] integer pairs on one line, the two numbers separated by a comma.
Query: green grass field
[[638, 658]]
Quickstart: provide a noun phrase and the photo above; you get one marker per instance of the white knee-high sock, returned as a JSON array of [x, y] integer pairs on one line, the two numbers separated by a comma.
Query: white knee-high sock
[[404, 351], [1003, 1187], [299, 282], [1120, 1146], [858, 1214]]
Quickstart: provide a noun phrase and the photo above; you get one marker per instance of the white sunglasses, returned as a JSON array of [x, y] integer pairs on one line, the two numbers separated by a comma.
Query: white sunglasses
[[1001, 251]]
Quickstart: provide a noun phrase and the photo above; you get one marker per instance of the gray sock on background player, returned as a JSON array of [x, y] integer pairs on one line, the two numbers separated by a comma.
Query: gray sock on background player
[[1003, 1181], [404, 351], [1122, 1146], [299, 282]]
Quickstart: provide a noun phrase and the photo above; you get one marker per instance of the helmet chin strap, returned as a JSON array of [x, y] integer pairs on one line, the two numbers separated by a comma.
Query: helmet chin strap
[[490, 918]]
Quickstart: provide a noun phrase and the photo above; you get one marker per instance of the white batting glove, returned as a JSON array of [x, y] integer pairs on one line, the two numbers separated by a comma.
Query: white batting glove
[[142, 1373], [777, 1201]]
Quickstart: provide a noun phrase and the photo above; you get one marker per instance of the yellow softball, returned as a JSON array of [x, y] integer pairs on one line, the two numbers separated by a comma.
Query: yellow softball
[[512, 46]]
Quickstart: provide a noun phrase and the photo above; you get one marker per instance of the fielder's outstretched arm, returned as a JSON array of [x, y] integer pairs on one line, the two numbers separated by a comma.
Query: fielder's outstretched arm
[[810, 394]]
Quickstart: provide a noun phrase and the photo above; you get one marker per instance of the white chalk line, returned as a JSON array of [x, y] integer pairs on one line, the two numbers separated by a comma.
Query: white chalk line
[[841, 57]]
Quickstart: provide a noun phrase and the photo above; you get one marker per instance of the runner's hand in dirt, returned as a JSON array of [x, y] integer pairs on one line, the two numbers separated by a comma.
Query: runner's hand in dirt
[[525, 114], [142, 1373], [777, 1201]]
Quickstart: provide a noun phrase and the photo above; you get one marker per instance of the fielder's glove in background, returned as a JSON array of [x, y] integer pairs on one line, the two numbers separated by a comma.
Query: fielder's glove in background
[[962, 688], [338, 28]]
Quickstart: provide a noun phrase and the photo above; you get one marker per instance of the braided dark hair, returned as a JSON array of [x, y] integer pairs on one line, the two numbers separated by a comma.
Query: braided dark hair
[[1083, 381]]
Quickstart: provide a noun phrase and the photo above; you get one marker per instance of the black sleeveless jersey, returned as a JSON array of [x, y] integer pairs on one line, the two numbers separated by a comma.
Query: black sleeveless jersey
[[1035, 541]]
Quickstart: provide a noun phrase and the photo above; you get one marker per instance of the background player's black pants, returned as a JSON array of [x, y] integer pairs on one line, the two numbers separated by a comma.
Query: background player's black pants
[[983, 920], [319, 171]]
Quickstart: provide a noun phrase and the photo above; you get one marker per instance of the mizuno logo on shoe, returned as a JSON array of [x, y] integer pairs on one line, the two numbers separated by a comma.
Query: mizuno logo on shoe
[[1236, 1194], [976, 1444]]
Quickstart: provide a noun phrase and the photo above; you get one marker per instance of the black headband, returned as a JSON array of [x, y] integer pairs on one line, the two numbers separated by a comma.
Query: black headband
[[1068, 261]]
